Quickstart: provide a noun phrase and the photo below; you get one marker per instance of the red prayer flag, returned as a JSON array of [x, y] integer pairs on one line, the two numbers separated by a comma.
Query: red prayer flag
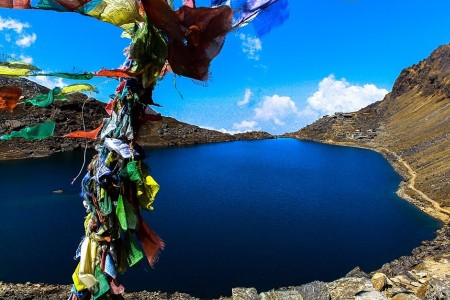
[[15, 3], [9, 95], [110, 107], [72, 4], [84, 134], [113, 73], [150, 241]]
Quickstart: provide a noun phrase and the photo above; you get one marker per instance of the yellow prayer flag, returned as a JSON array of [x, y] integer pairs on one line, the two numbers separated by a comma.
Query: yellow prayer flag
[[77, 88]]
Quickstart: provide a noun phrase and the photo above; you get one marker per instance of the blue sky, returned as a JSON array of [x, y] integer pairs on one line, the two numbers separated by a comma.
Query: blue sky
[[333, 55]]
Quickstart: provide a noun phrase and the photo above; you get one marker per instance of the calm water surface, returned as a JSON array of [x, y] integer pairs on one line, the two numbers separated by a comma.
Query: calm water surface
[[264, 214]]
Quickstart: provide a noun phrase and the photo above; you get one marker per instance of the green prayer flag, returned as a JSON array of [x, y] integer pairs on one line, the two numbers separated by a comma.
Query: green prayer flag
[[37, 132], [45, 100], [126, 215], [77, 76], [102, 286], [121, 214], [134, 253], [133, 170]]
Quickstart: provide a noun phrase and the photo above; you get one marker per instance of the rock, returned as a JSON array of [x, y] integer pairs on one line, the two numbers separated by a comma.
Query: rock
[[347, 288], [316, 290], [373, 295], [438, 289], [405, 296], [244, 294], [422, 290], [357, 272], [379, 281], [281, 295]]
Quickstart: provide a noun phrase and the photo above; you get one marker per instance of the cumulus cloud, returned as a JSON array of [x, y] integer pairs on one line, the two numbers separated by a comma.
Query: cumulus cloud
[[223, 130], [276, 108], [246, 126], [340, 96], [12, 24], [251, 46], [26, 40], [48, 81], [27, 59], [247, 96]]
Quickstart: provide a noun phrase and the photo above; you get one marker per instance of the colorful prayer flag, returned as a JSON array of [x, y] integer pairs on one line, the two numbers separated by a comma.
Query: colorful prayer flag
[[84, 134], [37, 132], [9, 96]]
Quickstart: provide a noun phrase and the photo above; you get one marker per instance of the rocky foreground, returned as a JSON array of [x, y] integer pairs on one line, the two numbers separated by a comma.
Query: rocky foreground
[[69, 117]]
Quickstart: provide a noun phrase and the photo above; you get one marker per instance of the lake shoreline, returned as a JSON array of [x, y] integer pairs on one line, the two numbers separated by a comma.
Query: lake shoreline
[[430, 259], [407, 189]]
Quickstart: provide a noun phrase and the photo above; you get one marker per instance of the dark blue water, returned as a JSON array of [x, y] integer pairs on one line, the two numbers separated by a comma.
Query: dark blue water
[[265, 214]]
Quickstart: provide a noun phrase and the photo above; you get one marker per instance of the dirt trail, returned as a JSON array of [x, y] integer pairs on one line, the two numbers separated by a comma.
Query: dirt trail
[[412, 181]]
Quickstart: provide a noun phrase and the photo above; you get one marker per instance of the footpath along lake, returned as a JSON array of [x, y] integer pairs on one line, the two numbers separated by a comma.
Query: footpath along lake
[[262, 214]]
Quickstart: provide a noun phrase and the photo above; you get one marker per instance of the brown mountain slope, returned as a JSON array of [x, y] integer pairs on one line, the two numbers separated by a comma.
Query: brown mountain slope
[[411, 126], [68, 118]]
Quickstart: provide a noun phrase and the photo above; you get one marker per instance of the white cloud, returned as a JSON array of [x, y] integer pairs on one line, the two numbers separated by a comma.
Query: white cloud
[[48, 81], [12, 24], [27, 59], [246, 100], [26, 40], [276, 108], [251, 46], [246, 126], [223, 130], [340, 96]]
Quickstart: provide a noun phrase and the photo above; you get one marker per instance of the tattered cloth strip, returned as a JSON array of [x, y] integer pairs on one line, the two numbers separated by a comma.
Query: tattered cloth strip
[[9, 96], [37, 132], [76, 76], [45, 100], [150, 241], [86, 268], [120, 147], [16, 69], [113, 73], [72, 4], [58, 93], [75, 88], [15, 3], [196, 35], [84, 134], [264, 14], [110, 107]]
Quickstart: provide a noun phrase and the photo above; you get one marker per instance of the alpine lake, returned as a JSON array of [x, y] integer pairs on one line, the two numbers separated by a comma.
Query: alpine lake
[[263, 214]]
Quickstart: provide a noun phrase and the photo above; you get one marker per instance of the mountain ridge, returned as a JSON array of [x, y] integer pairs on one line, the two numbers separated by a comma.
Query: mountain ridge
[[68, 117]]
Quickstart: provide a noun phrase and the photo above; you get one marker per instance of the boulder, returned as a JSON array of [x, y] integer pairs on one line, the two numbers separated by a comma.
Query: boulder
[[348, 288], [244, 294], [281, 295], [373, 295], [379, 281], [438, 289], [316, 290], [405, 296]]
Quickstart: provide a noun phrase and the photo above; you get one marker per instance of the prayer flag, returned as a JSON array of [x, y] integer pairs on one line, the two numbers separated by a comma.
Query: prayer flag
[[9, 95], [37, 132], [84, 134]]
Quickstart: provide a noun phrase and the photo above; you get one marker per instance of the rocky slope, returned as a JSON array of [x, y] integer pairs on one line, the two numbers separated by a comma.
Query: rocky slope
[[68, 117], [410, 126]]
